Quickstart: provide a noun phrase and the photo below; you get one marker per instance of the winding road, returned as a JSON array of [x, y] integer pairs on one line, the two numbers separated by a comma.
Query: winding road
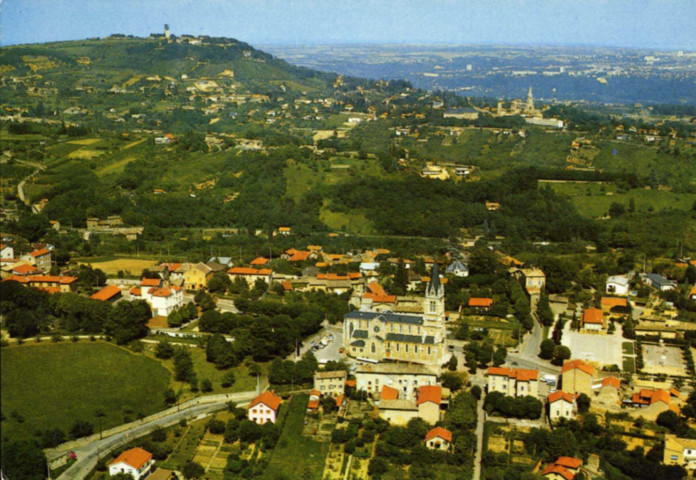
[[90, 450]]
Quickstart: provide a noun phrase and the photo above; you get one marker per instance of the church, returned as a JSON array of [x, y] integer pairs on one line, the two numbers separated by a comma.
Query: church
[[401, 337]]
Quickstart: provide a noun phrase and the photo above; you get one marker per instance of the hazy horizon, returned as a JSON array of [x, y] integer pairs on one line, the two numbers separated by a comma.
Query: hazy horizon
[[655, 24]]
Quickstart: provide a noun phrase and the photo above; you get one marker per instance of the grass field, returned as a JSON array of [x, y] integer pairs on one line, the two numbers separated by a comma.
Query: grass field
[[593, 199], [53, 385], [627, 348], [129, 266], [296, 456], [348, 222], [629, 365]]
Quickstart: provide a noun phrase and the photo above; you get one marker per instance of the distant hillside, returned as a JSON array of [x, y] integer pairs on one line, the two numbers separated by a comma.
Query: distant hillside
[[112, 58]]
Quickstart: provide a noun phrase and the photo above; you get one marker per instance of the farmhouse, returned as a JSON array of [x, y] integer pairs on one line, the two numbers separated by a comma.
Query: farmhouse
[[6, 251], [264, 408], [135, 462], [197, 277], [48, 283]]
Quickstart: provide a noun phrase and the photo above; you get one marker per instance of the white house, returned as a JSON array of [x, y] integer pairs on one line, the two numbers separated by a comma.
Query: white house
[[135, 462], [264, 408], [561, 405], [438, 438], [6, 251], [618, 284], [164, 301]]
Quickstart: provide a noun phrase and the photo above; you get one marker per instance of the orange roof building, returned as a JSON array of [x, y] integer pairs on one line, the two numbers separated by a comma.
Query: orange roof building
[[438, 438], [480, 302], [264, 408], [110, 292], [577, 377], [389, 393], [513, 382], [259, 261], [25, 269], [150, 282], [593, 319], [429, 393], [135, 461]]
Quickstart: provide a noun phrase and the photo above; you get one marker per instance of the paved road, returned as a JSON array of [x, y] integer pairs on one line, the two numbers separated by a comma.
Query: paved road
[[480, 420], [89, 453], [330, 352], [530, 344]]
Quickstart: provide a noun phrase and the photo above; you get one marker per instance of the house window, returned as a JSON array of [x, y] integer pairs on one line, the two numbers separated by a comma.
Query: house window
[[415, 348], [406, 348], [432, 306], [428, 350], [373, 348]]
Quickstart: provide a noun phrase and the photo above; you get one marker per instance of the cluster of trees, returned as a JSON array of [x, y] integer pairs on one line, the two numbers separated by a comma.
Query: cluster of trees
[[285, 372], [518, 407], [30, 312], [549, 350], [481, 354]]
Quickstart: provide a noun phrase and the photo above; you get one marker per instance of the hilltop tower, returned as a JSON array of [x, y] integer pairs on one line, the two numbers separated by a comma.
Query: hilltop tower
[[167, 33], [499, 108], [530, 101]]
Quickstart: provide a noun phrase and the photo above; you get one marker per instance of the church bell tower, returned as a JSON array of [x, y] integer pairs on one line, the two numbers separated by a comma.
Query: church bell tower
[[434, 308]]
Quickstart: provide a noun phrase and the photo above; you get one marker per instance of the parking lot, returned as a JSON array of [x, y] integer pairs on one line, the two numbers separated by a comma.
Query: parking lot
[[662, 359], [331, 350], [592, 347]]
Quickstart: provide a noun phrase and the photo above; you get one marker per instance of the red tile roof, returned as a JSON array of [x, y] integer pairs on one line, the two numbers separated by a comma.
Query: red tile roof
[[106, 293], [354, 275], [314, 393], [660, 396], [136, 291], [580, 364], [25, 269], [610, 302], [480, 302], [592, 315], [259, 261], [561, 395], [520, 374], [350, 383], [39, 253], [299, 256], [135, 457], [557, 469], [389, 393], [380, 298], [569, 462], [312, 405], [160, 292], [150, 282], [443, 433], [429, 393], [339, 400], [287, 285], [16, 278], [611, 382], [249, 271], [268, 398], [376, 288]]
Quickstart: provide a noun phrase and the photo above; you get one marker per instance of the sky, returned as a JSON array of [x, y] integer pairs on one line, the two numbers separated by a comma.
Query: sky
[[658, 24]]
